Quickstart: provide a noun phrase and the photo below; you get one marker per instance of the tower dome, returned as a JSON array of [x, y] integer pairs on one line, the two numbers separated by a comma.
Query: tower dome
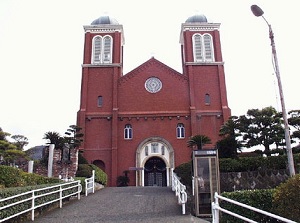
[[105, 20], [197, 18]]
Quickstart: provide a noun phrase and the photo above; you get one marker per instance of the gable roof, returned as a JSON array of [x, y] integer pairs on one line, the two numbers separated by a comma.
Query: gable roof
[[151, 62]]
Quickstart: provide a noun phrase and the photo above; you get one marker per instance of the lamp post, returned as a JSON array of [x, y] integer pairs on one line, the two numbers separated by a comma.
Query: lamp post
[[257, 11]]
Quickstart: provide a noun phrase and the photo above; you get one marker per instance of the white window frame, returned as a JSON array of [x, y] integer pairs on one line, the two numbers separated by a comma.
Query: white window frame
[[128, 133], [102, 52], [203, 49], [180, 131]]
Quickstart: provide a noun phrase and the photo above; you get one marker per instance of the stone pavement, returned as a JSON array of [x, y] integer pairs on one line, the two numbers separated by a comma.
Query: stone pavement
[[122, 204]]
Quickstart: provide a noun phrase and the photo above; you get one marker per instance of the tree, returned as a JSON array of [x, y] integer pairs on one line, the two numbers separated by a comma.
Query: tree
[[229, 145], [20, 141], [14, 156], [199, 141], [74, 136], [294, 121], [3, 134], [261, 127], [71, 140], [55, 138]]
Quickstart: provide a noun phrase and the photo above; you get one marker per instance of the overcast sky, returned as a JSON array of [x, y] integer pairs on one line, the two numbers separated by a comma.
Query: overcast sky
[[41, 52]]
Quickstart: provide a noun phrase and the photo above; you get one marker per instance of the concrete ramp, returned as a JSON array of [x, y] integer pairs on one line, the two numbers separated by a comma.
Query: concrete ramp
[[122, 204]]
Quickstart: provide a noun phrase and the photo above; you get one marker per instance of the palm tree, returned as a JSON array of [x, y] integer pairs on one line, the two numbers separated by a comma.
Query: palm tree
[[199, 141], [54, 138]]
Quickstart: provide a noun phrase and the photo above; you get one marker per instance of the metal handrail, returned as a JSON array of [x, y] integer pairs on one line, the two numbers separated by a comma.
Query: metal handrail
[[216, 208], [180, 192], [34, 195]]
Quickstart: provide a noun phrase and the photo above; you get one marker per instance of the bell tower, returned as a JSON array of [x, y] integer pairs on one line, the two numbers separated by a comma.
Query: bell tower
[[101, 69], [202, 63]]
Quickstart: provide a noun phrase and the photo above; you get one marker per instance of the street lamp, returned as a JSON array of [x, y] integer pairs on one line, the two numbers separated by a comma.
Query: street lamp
[[257, 11]]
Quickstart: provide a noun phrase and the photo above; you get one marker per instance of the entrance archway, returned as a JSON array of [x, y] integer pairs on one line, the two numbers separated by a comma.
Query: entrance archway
[[155, 172], [100, 164]]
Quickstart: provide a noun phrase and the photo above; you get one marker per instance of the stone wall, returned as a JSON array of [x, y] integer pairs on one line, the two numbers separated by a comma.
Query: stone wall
[[65, 169], [263, 179]]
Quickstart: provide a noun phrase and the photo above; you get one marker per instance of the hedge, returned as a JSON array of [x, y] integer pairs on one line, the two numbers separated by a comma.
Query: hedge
[[9, 192], [255, 163], [261, 199], [14, 177], [85, 170], [286, 198]]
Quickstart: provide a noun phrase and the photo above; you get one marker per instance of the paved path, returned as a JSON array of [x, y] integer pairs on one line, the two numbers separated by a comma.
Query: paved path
[[122, 204]]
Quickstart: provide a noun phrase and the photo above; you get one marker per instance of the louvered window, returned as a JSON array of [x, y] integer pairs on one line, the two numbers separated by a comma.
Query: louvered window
[[102, 49], [208, 47], [97, 49], [107, 48], [203, 48], [198, 48]]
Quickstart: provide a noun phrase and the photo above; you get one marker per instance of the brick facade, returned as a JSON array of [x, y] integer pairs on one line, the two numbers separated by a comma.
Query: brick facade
[[153, 117]]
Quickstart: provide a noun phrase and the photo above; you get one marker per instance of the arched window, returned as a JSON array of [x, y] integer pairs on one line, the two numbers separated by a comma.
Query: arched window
[[128, 132], [197, 47], [107, 49], [102, 49], [203, 48], [207, 99], [208, 49], [180, 132], [97, 42], [100, 101]]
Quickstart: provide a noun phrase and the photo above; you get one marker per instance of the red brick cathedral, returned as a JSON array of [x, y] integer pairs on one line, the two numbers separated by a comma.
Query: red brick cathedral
[[140, 122]]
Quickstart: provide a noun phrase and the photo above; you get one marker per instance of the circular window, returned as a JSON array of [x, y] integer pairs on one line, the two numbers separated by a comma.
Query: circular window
[[153, 85]]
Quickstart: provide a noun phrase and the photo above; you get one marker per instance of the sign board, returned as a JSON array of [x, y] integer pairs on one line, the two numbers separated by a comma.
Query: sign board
[[136, 168], [205, 152]]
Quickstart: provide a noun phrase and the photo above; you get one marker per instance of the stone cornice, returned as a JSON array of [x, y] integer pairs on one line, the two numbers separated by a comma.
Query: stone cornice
[[102, 65], [204, 63], [197, 27], [103, 28]]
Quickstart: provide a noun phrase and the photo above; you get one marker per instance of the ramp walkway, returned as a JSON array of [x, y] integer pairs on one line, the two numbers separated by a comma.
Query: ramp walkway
[[122, 204]]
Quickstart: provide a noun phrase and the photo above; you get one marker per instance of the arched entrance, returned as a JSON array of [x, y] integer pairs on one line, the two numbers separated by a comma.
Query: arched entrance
[[100, 164], [155, 172], [154, 161]]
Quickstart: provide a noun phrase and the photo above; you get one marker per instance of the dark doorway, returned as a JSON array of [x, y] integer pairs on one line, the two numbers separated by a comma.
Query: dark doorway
[[155, 172], [100, 164]]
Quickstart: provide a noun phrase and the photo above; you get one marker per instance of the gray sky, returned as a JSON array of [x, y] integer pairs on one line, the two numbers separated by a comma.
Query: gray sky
[[41, 52]]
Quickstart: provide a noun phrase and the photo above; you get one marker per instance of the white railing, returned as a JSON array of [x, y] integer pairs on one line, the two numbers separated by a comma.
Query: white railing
[[32, 196], [216, 208], [179, 189], [90, 184]]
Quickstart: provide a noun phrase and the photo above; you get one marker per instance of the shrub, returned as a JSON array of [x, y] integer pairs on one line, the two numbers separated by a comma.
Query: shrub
[[81, 159], [14, 177], [17, 208], [82, 182], [32, 179], [100, 175], [11, 176], [184, 172], [286, 199], [85, 170], [261, 199], [253, 163]]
